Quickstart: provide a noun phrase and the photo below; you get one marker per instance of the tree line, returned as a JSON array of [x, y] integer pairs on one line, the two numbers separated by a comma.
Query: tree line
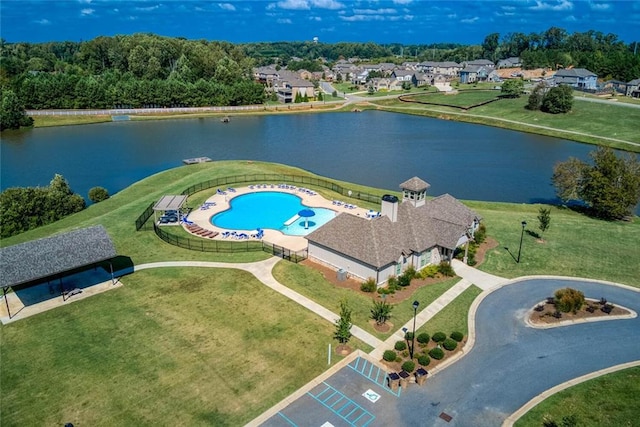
[[25, 208]]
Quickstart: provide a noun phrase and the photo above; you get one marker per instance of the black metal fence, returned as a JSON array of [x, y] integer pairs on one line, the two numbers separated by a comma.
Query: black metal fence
[[204, 245], [141, 222]]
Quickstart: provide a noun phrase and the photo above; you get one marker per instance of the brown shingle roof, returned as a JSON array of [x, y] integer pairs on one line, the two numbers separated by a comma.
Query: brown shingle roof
[[415, 184], [379, 242]]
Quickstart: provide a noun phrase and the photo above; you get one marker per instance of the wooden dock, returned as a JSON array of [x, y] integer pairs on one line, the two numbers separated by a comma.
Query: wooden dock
[[196, 160]]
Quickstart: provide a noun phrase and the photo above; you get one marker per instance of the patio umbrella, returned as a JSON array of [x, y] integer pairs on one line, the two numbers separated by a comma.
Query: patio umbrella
[[306, 214]]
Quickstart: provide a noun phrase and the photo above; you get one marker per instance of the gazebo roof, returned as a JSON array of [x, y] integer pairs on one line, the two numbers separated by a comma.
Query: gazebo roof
[[415, 184], [46, 257], [170, 203]]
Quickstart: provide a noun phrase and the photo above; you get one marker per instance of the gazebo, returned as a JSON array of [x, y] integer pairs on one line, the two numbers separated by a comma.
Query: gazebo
[[169, 204], [30, 263]]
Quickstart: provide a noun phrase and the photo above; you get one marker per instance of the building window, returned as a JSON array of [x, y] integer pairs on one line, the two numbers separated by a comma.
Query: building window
[[398, 269]]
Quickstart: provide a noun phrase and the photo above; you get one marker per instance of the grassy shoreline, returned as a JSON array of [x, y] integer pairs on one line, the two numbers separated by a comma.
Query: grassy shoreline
[[172, 339], [611, 130]]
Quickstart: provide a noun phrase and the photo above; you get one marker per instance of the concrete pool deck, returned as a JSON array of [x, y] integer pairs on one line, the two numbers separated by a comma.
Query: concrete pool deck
[[217, 203]]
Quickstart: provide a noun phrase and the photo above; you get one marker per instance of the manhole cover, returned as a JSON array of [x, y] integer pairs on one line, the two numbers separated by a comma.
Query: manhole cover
[[446, 416]]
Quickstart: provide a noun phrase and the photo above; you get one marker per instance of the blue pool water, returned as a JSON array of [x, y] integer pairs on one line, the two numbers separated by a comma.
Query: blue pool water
[[270, 209]]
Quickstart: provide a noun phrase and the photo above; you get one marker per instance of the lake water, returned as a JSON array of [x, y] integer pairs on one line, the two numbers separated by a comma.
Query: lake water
[[373, 148]]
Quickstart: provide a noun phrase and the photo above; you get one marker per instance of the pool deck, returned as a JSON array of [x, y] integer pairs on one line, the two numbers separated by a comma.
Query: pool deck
[[220, 202]]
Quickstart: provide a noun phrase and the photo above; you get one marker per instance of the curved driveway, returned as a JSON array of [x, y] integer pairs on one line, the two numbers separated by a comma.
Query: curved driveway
[[511, 363]]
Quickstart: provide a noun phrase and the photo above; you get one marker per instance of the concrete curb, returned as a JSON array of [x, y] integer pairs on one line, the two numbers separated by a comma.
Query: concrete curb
[[632, 315], [309, 386], [511, 419]]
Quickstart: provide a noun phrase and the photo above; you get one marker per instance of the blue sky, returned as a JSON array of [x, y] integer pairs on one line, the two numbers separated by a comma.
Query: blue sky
[[382, 21]]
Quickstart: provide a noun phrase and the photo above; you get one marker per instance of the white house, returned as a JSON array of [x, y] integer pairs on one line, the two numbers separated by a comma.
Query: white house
[[415, 232]]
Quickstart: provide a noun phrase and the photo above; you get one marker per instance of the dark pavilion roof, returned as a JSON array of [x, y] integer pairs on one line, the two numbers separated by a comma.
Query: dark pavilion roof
[[441, 221], [46, 257], [415, 184]]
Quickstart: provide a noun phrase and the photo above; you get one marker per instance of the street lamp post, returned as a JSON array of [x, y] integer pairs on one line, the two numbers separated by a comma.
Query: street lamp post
[[524, 224], [413, 336]]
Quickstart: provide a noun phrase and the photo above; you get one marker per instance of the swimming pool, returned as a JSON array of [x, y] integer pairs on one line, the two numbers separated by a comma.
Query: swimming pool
[[270, 209]]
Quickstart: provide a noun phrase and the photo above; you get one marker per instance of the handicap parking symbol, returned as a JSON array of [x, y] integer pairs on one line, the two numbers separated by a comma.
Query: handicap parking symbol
[[371, 395]]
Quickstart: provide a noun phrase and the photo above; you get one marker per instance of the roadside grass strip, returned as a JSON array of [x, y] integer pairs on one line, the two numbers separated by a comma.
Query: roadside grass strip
[[344, 407], [373, 373]]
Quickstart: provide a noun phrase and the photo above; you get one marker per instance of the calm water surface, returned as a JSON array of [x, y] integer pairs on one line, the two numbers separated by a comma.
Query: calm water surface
[[372, 148]]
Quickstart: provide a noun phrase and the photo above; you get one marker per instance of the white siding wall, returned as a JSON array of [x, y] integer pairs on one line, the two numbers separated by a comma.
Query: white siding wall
[[336, 260]]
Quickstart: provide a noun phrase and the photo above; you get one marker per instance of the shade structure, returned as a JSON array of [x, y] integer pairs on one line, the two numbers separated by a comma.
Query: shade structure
[[306, 214]]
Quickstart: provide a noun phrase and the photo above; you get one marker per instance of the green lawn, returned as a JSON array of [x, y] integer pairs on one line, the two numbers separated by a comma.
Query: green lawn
[[47, 121], [453, 317], [225, 348], [610, 400], [463, 99], [213, 348], [310, 283], [600, 123]]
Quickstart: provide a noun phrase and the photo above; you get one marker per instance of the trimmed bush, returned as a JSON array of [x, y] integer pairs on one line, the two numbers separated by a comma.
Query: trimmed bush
[[436, 353], [457, 336], [98, 194], [439, 337], [389, 355], [424, 360], [481, 234], [568, 299], [400, 345], [369, 285], [445, 269], [408, 336], [449, 344], [423, 338], [392, 283], [404, 281], [409, 366], [429, 271]]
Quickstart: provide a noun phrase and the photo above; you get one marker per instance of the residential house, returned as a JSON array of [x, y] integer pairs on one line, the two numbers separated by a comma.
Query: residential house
[[290, 85], [512, 62], [403, 75], [447, 68], [265, 75], [579, 78], [481, 63], [473, 74], [633, 88], [380, 83], [414, 232]]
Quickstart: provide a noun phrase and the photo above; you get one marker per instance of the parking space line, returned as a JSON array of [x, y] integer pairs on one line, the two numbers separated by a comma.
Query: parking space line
[[380, 382], [344, 407], [287, 419]]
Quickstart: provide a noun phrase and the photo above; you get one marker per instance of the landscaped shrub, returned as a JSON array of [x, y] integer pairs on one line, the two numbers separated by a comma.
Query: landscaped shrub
[[386, 291], [404, 281], [449, 344], [410, 272], [98, 194], [481, 234], [389, 355], [445, 269], [568, 299], [423, 338], [424, 360], [392, 283], [400, 345], [457, 336], [408, 366], [408, 336], [369, 285], [439, 337], [436, 353], [429, 271]]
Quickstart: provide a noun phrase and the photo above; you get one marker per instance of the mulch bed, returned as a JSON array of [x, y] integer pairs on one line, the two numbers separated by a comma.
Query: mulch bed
[[545, 316], [397, 366], [354, 284]]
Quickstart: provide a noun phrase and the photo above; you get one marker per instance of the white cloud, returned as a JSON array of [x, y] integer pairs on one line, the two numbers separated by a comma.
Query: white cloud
[[43, 21], [373, 11], [227, 6], [327, 4], [87, 12], [557, 6], [362, 18], [570, 18], [508, 8], [315, 18], [452, 15], [469, 20], [599, 6], [84, 1], [402, 1], [284, 21], [294, 4], [408, 17], [148, 8]]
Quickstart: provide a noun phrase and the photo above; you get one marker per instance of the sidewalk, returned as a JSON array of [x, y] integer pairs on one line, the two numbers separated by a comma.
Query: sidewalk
[[422, 317], [484, 281]]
